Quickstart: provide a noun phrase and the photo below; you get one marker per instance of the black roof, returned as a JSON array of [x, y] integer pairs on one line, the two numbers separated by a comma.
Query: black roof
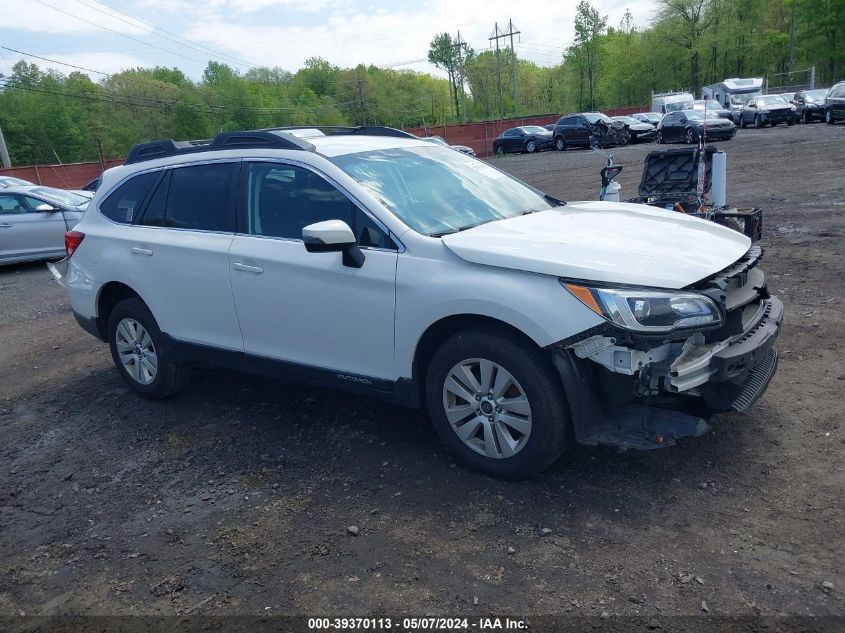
[[280, 138]]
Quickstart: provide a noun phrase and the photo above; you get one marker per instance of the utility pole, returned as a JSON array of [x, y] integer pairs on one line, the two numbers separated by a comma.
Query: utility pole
[[497, 35], [513, 63], [461, 49], [4, 153], [359, 89], [792, 39]]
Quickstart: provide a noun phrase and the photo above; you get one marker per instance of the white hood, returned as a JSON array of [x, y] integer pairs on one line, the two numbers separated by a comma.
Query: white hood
[[614, 242]]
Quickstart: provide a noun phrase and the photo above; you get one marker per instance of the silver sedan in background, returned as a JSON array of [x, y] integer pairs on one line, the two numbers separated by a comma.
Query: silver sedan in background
[[33, 222]]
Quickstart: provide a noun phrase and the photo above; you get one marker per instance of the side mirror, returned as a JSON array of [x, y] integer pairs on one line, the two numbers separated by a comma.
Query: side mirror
[[333, 236], [46, 208]]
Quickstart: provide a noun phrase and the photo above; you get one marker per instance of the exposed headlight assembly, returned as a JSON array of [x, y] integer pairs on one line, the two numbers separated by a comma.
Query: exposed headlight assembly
[[649, 311]]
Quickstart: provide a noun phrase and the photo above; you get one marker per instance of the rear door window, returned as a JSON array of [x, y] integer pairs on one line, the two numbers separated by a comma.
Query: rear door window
[[124, 203], [201, 198]]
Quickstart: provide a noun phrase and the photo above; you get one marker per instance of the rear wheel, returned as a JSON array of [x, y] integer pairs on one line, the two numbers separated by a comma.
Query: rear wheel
[[138, 350], [531, 147], [689, 136], [498, 403]]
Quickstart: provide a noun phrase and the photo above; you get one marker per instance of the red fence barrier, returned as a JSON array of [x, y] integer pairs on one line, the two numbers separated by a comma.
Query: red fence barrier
[[70, 176], [479, 136]]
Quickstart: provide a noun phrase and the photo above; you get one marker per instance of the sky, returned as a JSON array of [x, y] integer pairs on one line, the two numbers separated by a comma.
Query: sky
[[112, 35]]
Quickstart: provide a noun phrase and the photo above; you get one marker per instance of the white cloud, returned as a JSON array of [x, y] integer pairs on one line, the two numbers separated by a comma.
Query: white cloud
[[65, 17], [349, 35]]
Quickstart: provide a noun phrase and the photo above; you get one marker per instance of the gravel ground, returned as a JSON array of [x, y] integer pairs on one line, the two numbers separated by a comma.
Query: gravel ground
[[236, 496]]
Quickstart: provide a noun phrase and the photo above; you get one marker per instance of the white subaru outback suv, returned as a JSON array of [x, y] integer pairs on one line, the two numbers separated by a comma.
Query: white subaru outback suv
[[373, 261]]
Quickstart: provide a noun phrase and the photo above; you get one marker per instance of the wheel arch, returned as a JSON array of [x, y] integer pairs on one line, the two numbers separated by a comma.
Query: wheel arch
[[439, 331], [111, 294]]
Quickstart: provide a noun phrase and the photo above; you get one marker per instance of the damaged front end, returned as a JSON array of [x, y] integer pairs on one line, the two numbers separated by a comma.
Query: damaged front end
[[666, 361]]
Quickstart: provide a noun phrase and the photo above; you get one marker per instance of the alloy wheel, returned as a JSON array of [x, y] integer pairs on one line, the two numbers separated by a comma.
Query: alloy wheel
[[690, 137], [487, 408], [531, 146], [136, 351]]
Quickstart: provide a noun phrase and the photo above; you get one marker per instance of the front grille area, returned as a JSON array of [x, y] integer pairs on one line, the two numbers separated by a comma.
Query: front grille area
[[756, 382]]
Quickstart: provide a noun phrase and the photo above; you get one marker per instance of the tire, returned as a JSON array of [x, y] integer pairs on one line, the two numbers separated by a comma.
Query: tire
[[531, 147], [828, 117], [131, 318], [560, 144], [689, 136], [499, 151], [742, 122], [626, 138], [804, 118], [758, 122], [659, 137], [534, 380]]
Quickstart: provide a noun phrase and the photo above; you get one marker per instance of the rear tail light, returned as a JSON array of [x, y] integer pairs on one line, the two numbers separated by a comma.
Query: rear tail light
[[72, 241]]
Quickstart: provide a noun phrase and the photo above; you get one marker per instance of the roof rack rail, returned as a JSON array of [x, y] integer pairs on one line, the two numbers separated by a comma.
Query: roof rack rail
[[279, 138]]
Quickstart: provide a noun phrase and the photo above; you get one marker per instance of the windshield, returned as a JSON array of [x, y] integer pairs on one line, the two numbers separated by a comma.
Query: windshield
[[437, 191], [696, 115], [595, 117], [815, 96], [742, 99], [62, 197], [678, 105], [771, 100], [436, 139], [534, 129]]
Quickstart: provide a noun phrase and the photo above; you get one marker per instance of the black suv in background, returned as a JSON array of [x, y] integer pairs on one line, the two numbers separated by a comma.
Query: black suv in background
[[834, 104], [809, 104], [582, 129]]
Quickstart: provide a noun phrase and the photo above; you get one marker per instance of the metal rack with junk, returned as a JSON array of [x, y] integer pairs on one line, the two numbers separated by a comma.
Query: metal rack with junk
[[689, 180]]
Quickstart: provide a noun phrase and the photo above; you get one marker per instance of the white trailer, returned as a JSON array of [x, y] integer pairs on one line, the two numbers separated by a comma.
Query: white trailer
[[733, 93]]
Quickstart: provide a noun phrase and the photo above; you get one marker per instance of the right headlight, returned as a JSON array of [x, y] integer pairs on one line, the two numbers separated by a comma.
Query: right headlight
[[648, 311]]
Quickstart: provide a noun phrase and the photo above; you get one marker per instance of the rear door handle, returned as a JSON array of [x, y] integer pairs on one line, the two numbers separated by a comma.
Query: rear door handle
[[137, 250], [247, 269], [5, 226]]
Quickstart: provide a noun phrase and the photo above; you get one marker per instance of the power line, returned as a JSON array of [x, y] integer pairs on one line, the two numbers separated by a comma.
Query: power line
[[55, 61], [190, 44], [134, 39]]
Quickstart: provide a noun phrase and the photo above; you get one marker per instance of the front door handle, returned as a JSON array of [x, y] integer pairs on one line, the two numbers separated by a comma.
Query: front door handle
[[247, 269], [137, 250], [5, 226]]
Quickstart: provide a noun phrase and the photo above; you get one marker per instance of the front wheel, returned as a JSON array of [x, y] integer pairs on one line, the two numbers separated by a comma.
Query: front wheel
[[660, 137], [742, 122], [497, 403], [138, 350], [804, 118], [758, 122], [499, 150], [828, 117], [560, 144]]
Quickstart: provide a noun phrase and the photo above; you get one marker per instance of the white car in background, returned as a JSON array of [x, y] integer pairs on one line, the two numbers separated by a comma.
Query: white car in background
[[384, 264], [11, 181], [34, 220]]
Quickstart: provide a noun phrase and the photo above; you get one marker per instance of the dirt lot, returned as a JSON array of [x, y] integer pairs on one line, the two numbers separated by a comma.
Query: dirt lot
[[235, 496]]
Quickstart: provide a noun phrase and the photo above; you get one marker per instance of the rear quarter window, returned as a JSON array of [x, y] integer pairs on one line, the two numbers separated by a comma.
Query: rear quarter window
[[124, 203]]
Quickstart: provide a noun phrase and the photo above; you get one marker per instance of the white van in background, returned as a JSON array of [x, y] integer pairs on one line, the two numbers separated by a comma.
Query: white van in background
[[671, 101]]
